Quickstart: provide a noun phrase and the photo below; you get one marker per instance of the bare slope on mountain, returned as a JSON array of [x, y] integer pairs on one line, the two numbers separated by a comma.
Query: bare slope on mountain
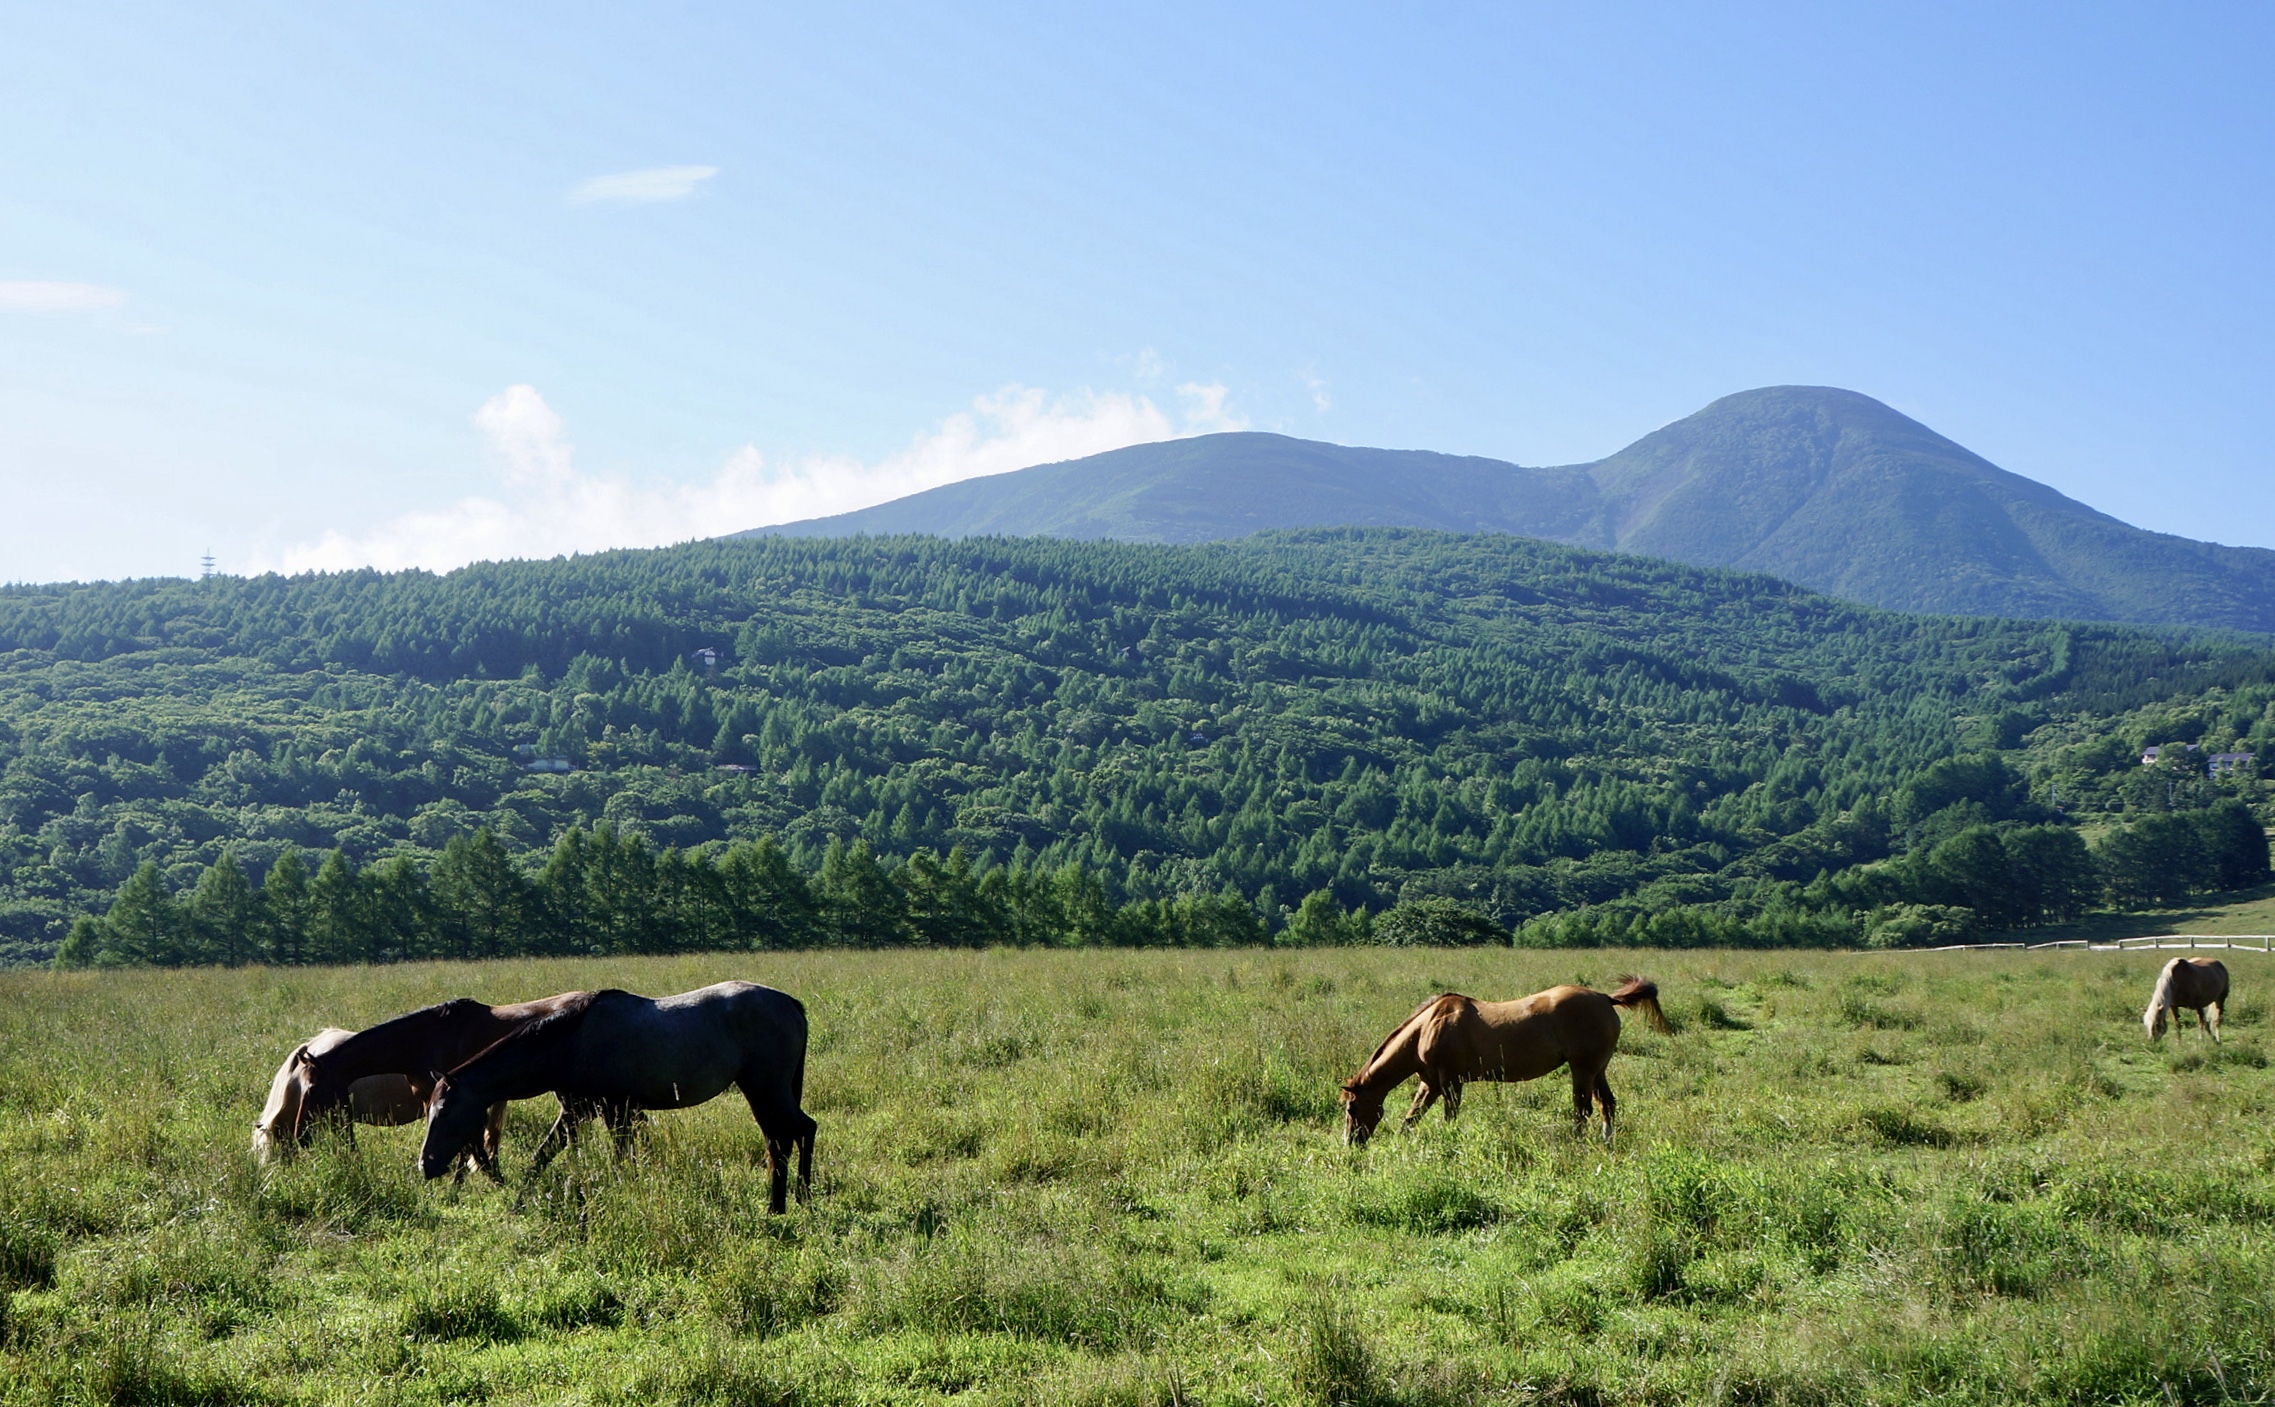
[[1821, 486]]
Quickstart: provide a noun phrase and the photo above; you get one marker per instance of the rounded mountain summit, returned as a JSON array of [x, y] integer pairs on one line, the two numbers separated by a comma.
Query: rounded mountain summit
[[1820, 486]]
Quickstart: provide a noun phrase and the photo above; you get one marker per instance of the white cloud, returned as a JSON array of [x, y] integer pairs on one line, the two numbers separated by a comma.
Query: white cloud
[[643, 187], [1317, 385], [547, 507], [37, 296]]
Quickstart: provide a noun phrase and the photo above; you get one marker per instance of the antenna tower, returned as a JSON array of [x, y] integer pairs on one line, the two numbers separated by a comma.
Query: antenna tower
[[205, 565]]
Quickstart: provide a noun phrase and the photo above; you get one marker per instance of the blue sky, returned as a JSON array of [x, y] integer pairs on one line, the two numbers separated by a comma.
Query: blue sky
[[411, 284]]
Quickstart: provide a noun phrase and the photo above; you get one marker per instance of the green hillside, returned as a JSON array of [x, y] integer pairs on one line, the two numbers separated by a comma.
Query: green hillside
[[1325, 735], [1823, 487]]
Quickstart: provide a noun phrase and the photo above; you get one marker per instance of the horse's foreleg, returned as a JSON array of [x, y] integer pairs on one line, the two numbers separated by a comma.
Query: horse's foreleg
[[1425, 1095], [1604, 1097], [1453, 1099], [561, 1135]]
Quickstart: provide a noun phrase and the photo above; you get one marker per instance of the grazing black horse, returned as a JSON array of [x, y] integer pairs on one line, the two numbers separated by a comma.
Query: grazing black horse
[[617, 1055]]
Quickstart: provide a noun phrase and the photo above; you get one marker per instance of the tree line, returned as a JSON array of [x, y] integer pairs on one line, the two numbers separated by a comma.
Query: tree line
[[1402, 721], [601, 892]]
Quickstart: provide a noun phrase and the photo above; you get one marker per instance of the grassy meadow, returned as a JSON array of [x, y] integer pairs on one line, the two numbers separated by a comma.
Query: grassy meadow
[[1117, 1177]]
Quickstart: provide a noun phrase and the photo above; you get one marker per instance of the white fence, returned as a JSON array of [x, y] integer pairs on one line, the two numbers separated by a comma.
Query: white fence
[[2241, 942]]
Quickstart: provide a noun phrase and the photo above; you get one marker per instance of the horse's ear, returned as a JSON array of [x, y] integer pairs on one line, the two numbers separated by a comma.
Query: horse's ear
[[1351, 1085]]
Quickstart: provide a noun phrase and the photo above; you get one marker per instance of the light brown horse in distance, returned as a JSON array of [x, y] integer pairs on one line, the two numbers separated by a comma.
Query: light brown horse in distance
[[384, 1100], [1455, 1041], [2189, 984]]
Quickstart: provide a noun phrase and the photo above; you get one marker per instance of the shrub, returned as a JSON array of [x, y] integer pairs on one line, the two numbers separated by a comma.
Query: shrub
[[1437, 923], [1919, 926]]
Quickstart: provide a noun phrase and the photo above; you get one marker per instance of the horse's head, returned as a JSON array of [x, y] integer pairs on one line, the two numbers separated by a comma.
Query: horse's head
[[454, 1119], [316, 1096], [2160, 1002], [1362, 1110]]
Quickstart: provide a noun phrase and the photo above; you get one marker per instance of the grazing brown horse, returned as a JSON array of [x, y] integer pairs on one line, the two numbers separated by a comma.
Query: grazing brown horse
[[618, 1055], [2189, 984], [383, 1100], [1454, 1041], [419, 1046]]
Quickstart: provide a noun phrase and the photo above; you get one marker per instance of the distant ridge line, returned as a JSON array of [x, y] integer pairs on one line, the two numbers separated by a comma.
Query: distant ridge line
[[1824, 487]]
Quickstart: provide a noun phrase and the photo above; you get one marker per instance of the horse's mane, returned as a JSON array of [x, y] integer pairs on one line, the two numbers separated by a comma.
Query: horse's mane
[[453, 1009], [281, 1090], [443, 1010], [1403, 1027], [556, 1025]]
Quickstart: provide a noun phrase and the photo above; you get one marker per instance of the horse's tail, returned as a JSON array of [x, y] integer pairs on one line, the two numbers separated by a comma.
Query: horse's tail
[[798, 1069], [1641, 994]]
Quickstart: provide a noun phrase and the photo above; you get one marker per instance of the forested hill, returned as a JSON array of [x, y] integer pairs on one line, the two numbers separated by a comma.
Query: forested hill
[[1820, 486], [1328, 723]]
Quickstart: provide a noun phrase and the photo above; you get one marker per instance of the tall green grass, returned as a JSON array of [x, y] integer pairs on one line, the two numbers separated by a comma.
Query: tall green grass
[[1118, 1178]]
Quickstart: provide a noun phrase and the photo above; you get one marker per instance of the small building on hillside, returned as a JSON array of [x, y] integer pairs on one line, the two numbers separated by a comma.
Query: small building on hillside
[[2225, 762]]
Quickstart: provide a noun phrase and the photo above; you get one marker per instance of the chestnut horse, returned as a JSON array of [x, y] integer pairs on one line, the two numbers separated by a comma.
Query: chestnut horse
[[383, 1100], [1454, 1040], [618, 1055], [418, 1046], [2188, 984]]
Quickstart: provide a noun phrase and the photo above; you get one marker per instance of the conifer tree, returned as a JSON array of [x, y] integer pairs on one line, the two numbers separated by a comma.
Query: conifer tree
[[283, 915], [221, 910], [482, 903], [145, 925], [339, 928], [84, 945]]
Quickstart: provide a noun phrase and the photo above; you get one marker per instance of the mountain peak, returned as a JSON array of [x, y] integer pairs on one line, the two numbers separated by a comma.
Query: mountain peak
[[1820, 485]]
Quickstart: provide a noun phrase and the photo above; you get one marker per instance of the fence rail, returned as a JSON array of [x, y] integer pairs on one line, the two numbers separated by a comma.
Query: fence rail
[[2240, 942]]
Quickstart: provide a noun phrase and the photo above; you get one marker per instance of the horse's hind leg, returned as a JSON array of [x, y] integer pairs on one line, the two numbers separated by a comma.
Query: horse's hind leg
[[1583, 1091], [623, 1122], [1610, 1104], [493, 1137], [785, 1127], [2212, 1025], [483, 1152], [806, 1158]]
